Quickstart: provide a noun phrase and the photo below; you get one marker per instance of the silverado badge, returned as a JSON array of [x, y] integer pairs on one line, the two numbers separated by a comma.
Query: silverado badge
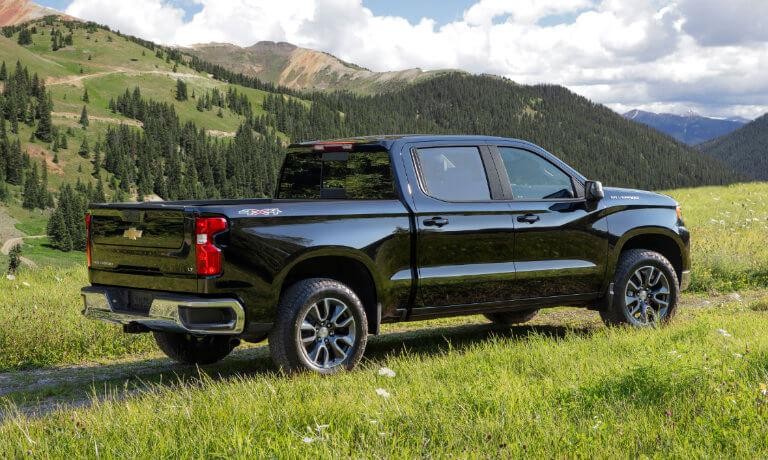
[[133, 233]]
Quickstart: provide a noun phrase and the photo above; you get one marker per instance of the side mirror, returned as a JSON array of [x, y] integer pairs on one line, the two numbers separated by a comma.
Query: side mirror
[[594, 190]]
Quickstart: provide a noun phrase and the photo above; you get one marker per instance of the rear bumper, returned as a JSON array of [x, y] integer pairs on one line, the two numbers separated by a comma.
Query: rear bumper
[[167, 312]]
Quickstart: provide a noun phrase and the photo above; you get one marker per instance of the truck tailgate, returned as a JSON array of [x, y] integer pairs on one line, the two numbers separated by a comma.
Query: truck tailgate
[[138, 246]]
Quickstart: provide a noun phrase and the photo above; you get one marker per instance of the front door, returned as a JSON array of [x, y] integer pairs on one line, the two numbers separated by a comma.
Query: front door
[[561, 242], [465, 238]]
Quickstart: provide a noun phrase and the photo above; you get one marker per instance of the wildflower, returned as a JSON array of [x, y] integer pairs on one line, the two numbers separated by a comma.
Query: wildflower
[[387, 372], [10, 277], [382, 392], [308, 440], [723, 332]]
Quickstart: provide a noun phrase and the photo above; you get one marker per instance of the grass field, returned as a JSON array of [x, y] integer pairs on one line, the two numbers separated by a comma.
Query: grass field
[[696, 388], [562, 386]]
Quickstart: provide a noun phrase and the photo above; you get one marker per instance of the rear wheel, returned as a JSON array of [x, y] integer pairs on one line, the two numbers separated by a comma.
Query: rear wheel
[[321, 327], [512, 317], [190, 349], [645, 290]]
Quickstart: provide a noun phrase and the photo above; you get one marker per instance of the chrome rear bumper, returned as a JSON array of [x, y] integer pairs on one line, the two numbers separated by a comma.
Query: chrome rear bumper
[[168, 312]]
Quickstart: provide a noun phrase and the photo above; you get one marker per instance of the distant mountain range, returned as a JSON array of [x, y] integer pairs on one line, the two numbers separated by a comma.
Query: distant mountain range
[[690, 129], [745, 150], [297, 68]]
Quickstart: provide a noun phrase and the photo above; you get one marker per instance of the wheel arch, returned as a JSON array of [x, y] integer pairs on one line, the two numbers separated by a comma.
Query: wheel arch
[[657, 239], [345, 265]]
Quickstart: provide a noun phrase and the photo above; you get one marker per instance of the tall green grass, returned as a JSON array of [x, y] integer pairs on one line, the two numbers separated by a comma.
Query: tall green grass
[[41, 324], [693, 389], [729, 235]]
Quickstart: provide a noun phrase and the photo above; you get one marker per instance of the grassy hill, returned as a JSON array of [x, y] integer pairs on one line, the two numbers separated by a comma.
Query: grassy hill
[[744, 150]]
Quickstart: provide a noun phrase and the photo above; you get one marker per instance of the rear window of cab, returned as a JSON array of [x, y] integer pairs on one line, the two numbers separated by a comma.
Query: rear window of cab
[[337, 175]]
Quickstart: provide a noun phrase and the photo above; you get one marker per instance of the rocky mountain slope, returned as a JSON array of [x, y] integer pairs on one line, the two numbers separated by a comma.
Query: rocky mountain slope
[[298, 68]]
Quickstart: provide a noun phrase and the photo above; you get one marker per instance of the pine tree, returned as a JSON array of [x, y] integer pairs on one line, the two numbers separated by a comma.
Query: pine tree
[[25, 37], [58, 233], [44, 126], [181, 90], [31, 189], [86, 99], [3, 72], [84, 117], [98, 195], [44, 197], [84, 149], [63, 143], [14, 259]]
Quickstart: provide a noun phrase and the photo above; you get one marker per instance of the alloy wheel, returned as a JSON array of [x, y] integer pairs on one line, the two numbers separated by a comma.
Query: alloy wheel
[[647, 296], [327, 333]]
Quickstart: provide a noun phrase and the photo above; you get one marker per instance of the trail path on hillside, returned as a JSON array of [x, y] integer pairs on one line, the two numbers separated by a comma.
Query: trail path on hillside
[[77, 80], [37, 392], [10, 236], [10, 243], [76, 116]]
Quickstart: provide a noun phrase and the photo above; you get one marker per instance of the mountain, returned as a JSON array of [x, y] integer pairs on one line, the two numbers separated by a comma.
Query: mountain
[[690, 129], [304, 69], [592, 138], [88, 107], [744, 150], [18, 11]]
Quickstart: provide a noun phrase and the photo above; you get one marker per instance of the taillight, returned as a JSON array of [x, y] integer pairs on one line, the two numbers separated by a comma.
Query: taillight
[[88, 256], [208, 256]]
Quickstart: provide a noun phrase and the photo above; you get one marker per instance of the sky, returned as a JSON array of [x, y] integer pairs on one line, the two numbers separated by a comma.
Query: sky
[[709, 56]]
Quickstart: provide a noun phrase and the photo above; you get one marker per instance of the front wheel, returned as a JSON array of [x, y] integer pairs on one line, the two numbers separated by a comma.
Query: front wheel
[[321, 327], [645, 290]]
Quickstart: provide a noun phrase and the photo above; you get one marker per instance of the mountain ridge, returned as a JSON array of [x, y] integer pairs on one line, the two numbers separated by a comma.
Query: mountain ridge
[[745, 150], [690, 129], [287, 65]]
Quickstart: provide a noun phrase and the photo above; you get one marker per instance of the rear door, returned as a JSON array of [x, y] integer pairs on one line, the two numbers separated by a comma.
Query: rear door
[[561, 242], [465, 238]]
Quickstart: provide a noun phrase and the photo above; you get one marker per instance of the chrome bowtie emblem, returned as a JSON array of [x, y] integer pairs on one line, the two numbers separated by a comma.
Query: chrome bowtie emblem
[[133, 233]]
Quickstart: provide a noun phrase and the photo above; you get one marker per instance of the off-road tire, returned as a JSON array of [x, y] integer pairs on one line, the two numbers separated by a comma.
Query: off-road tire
[[190, 349], [614, 314], [507, 318], [294, 304]]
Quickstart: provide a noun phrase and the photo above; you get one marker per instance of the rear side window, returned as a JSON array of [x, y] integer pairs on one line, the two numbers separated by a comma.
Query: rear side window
[[453, 173], [337, 175], [534, 178]]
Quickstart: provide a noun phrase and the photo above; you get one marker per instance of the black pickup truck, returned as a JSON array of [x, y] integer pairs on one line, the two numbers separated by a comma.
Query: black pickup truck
[[374, 230]]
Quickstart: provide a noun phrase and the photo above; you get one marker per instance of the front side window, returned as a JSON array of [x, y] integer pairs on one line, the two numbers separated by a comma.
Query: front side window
[[453, 173], [351, 176], [534, 178]]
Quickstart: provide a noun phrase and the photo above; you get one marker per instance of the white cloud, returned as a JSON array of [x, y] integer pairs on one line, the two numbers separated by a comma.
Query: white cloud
[[676, 54]]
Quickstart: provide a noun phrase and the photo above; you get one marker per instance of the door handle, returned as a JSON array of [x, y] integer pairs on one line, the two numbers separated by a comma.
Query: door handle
[[435, 222], [529, 218]]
